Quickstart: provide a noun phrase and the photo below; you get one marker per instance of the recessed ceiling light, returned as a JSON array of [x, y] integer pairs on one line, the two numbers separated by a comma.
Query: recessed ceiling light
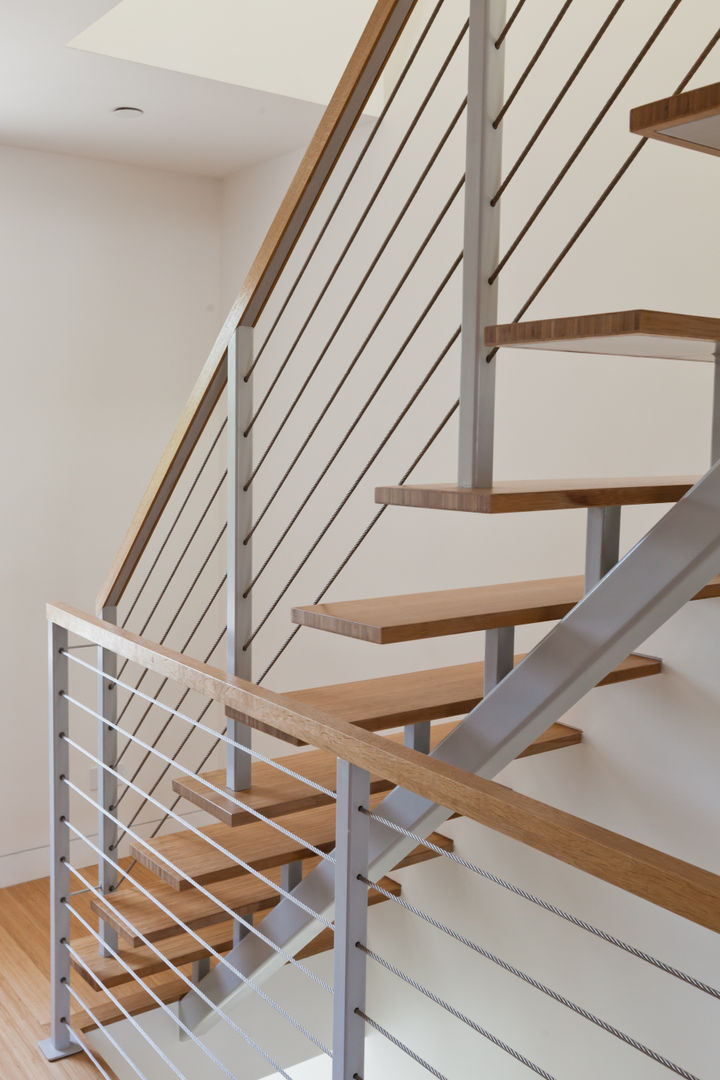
[[129, 110]]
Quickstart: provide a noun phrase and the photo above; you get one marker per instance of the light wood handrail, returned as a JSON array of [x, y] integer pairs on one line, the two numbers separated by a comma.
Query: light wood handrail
[[358, 80], [670, 883]]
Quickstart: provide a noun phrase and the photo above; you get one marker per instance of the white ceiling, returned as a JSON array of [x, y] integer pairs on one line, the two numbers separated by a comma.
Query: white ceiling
[[60, 99]]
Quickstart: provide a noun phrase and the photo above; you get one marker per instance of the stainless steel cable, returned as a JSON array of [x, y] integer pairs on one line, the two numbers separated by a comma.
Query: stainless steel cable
[[288, 957], [106, 1034], [356, 483], [400, 1045], [211, 951], [325, 469], [363, 536], [532, 62], [351, 366], [437, 1000], [93, 1058], [373, 199], [524, 894], [223, 792], [529, 980], [176, 519], [351, 303], [353, 172], [232, 858], [509, 24], [250, 751]]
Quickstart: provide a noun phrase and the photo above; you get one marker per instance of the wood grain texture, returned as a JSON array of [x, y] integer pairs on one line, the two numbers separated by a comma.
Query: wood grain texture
[[618, 333], [656, 120], [340, 117], [274, 793], [518, 496]]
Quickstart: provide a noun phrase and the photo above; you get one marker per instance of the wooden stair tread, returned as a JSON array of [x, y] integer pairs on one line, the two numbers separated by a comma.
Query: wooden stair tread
[[657, 334], [517, 496], [387, 619], [259, 845], [136, 1001], [274, 793], [690, 119], [181, 950]]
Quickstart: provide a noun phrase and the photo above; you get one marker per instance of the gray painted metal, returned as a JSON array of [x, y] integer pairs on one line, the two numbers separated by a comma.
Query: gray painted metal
[[239, 555], [200, 969], [240, 932], [417, 736], [60, 1044], [482, 242], [602, 548], [499, 655], [107, 783], [352, 835], [291, 875], [715, 439], [653, 581]]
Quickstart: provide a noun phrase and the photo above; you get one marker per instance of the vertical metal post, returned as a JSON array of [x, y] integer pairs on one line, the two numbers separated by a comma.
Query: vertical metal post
[[60, 1044], [715, 441], [482, 242], [417, 736], [602, 549], [499, 655], [351, 906], [239, 553], [107, 783], [240, 931], [291, 875]]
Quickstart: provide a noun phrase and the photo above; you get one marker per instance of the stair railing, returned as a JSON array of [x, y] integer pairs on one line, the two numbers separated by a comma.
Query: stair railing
[[242, 893]]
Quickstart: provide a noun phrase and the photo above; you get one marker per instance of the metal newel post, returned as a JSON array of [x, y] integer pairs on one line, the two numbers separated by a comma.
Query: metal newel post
[[107, 783], [239, 552], [351, 907], [60, 1044], [482, 242]]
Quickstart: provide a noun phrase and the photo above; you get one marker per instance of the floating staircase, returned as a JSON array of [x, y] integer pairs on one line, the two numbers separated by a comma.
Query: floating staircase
[[691, 119]]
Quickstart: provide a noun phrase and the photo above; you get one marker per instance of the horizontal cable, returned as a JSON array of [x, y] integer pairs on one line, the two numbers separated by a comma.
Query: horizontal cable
[[560, 999], [351, 366], [373, 199], [363, 536], [195, 724], [532, 62], [170, 531], [376, 390], [404, 977], [190, 828], [353, 173], [556, 103], [585, 139], [351, 304], [356, 483], [206, 783], [212, 952], [191, 881], [610, 939], [509, 24], [113, 1042], [400, 1045]]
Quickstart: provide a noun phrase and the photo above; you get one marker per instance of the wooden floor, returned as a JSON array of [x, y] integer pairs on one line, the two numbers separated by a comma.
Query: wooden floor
[[24, 987]]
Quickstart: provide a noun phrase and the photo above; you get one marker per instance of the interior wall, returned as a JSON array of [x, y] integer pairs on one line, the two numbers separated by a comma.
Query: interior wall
[[110, 296]]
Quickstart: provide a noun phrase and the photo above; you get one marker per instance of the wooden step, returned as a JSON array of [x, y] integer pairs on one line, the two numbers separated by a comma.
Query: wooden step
[[181, 950], [516, 496], [387, 619], [691, 119], [274, 793], [136, 1001], [259, 845], [657, 334]]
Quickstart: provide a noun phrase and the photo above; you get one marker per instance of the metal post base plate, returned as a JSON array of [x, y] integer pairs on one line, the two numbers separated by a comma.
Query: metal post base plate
[[52, 1053]]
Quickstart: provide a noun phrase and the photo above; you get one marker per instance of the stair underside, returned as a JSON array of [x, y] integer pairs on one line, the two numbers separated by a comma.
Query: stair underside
[[182, 949], [656, 334], [274, 793], [519, 496], [387, 619], [691, 119]]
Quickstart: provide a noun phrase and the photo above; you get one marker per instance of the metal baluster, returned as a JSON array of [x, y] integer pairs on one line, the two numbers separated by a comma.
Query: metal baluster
[[239, 551], [351, 905], [60, 1044], [602, 549], [107, 783], [482, 242]]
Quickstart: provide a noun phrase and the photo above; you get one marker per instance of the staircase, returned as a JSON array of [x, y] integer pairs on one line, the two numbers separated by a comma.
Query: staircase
[[272, 859]]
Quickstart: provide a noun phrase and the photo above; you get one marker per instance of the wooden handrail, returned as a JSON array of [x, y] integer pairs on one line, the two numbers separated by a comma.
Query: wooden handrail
[[670, 883], [346, 106]]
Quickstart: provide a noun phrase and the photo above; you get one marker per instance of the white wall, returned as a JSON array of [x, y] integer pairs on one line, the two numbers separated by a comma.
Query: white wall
[[109, 298]]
